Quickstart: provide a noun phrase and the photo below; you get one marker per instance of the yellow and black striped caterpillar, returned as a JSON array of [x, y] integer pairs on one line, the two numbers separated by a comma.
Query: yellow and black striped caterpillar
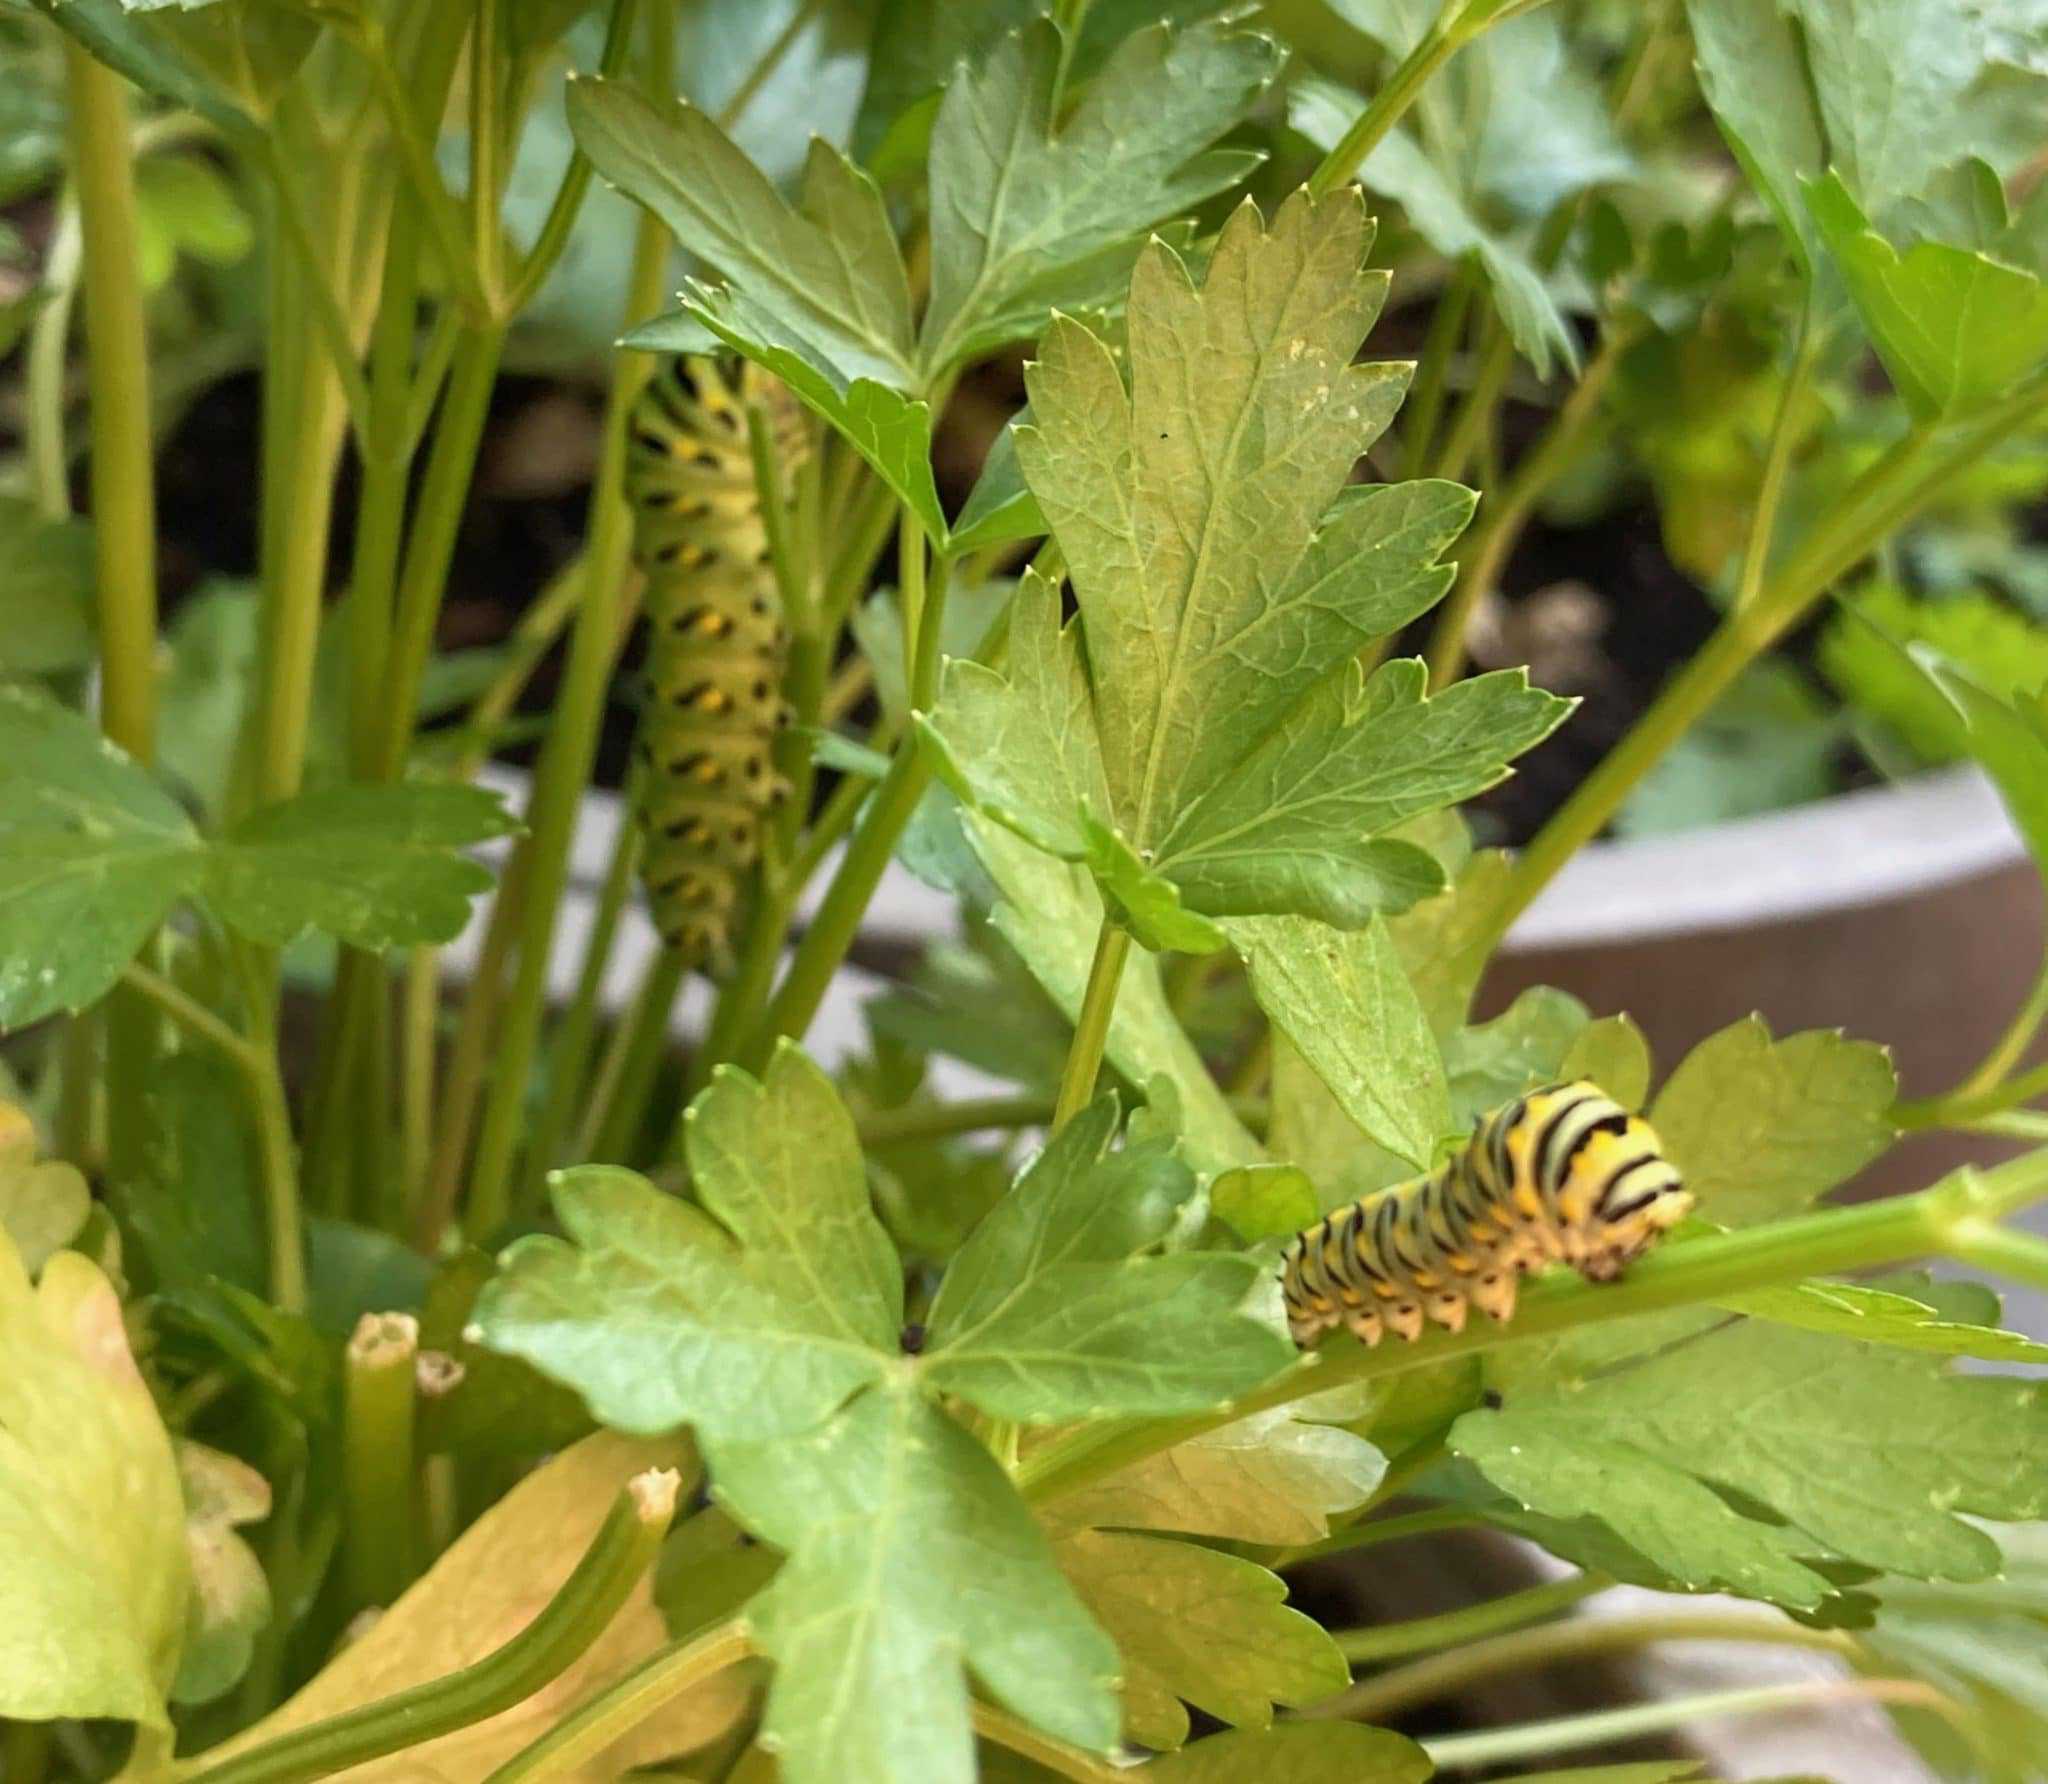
[[1562, 1175], [717, 645]]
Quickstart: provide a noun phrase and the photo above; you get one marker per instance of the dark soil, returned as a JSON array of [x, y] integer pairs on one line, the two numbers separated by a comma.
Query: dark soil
[[1598, 610]]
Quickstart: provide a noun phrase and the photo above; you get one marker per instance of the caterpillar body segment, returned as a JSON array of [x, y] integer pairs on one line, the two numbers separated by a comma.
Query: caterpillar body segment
[[717, 645], [1563, 1175]]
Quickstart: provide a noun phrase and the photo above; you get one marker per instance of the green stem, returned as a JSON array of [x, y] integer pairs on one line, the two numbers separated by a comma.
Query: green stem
[[831, 933], [1763, 525], [421, 1011], [1826, 1243], [256, 1058], [2011, 1046], [1567, 1733], [771, 58], [910, 568], [567, 756], [462, 1083], [1371, 1535], [1476, 413], [555, 229], [939, 1121], [572, 1620], [1423, 1635], [414, 137], [377, 1457], [123, 500], [1446, 1674], [586, 1732], [1390, 104], [430, 546], [1883, 499], [625, 1080], [569, 1052], [1483, 555], [486, 146], [1091, 1026], [2003, 1251], [1055, 1756], [1424, 407], [46, 364]]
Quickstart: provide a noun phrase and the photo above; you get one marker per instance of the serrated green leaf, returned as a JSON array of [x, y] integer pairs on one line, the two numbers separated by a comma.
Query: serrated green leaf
[[377, 866], [1345, 1003], [1264, 1201], [1613, 1054], [1190, 514], [1000, 507], [92, 855], [1865, 1452], [1151, 1336], [1077, 1202], [1032, 213], [1196, 1625], [1526, 1045], [1050, 913], [1298, 1753], [1399, 168], [1446, 941], [877, 626], [1880, 1316], [1955, 328], [93, 1567], [1282, 809], [2009, 739], [780, 1164], [910, 1555], [649, 1314], [825, 275], [1046, 1314], [152, 57], [1881, 651], [1138, 899], [46, 567], [1275, 1478], [1763, 1128], [893, 432]]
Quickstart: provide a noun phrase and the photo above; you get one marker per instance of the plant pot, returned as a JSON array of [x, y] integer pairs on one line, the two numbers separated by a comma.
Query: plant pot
[[1905, 914]]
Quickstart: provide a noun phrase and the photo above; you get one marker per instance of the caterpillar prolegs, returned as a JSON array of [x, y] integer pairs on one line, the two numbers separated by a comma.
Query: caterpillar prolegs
[[1561, 1175], [717, 645]]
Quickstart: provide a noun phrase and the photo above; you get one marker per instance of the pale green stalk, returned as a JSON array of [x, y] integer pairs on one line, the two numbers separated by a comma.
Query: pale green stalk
[[1472, 1623], [571, 1621], [1091, 1025], [1445, 1674], [1570, 1733], [581, 1737]]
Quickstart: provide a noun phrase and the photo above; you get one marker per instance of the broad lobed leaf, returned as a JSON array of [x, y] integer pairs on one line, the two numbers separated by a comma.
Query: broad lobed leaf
[[1031, 213], [1198, 1626], [1859, 1451], [910, 1556], [1763, 1128]]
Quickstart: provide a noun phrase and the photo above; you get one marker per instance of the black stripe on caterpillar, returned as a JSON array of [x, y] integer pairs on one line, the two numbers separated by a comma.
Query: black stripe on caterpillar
[[717, 646], [1563, 1175]]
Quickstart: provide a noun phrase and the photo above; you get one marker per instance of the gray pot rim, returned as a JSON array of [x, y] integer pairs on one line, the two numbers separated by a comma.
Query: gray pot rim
[[1866, 847]]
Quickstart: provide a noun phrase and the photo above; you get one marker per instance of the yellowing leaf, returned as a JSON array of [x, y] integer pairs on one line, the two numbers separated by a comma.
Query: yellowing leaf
[[93, 1569]]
